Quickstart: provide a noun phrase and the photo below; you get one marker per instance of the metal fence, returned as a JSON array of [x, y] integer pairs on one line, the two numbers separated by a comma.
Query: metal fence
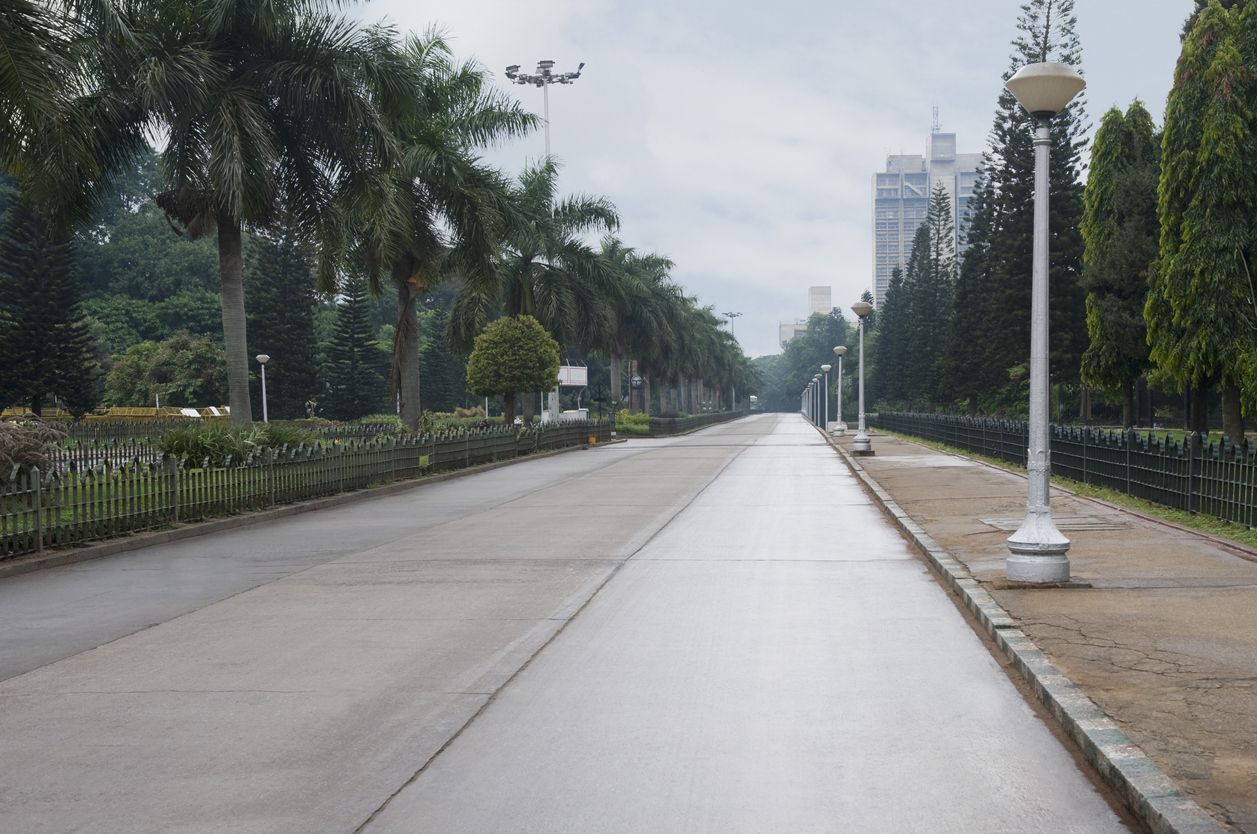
[[660, 426], [1217, 479], [40, 510]]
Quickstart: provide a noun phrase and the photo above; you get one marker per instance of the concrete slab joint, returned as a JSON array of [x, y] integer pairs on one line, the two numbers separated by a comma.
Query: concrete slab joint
[[1152, 796]]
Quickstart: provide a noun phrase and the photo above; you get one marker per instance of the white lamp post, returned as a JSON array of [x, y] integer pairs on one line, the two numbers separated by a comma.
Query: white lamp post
[[816, 399], [841, 427], [861, 444], [262, 359], [825, 394], [1036, 552]]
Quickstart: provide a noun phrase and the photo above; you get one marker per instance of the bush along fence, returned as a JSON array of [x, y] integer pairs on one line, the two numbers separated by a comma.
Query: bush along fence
[[1217, 479], [660, 426], [44, 510]]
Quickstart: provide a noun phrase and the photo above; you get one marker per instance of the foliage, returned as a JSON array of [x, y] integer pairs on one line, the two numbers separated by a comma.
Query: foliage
[[354, 366], [47, 344], [280, 284], [1119, 229], [443, 372], [184, 370], [1201, 309], [26, 443], [513, 354], [220, 444], [787, 375]]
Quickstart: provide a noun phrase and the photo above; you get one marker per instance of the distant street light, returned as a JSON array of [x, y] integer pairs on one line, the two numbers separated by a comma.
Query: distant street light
[[544, 78], [1036, 552], [731, 317], [861, 444], [841, 428], [816, 399], [262, 359], [825, 394]]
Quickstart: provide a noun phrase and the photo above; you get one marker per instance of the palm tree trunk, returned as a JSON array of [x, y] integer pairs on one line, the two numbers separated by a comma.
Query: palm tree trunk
[[1232, 414], [235, 341], [616, 358], [406, 347], [646, 396], [1128, 404], [1200, 408]]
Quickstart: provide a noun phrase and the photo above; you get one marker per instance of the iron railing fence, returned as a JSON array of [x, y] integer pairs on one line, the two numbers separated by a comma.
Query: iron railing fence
[[660, 426], [1213, 478], [114, 497]]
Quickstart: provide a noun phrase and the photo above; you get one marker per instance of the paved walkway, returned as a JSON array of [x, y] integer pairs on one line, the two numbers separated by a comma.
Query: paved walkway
[[1165, 640], [714, 634]]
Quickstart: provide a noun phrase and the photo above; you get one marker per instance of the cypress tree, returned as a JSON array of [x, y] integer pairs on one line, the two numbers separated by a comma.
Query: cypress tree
[[443, 373], [1005, 239], [929, 285], [355, 378], [1201, 312], [279, 284], [889, 378], [1119, 230], [46, 343]]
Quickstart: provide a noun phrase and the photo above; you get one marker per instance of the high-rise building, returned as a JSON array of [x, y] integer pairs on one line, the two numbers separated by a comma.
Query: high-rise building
[[901, 200], [819, 300]]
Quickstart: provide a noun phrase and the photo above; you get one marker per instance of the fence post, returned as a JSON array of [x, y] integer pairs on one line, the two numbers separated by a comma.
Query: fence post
[[37, 487], [172, 481], [1193, 444], [1130, 441]]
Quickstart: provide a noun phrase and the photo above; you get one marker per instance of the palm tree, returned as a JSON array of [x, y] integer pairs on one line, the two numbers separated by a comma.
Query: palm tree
[[435, 208], [33, 77], [258, 103], [640, 311]]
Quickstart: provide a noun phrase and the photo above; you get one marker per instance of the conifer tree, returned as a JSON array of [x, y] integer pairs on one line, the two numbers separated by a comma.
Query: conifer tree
[[355, 376], [1201, 309], [888, 381], [46, 344], [280, 286], [1047, 32], [1119, 230], [444, 374], [929, 286]]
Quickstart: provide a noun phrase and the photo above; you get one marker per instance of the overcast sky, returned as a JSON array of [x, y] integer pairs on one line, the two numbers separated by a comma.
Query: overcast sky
[[740, 138]]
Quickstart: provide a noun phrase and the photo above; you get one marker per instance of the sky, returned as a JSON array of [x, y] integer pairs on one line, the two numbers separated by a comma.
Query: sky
[[740, 139]]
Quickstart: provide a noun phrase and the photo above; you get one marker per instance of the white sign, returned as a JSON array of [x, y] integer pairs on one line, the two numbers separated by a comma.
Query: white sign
[[573, 376]]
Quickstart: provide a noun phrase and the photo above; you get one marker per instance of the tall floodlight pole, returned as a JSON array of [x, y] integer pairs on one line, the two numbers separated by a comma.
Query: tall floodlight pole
[[731, 317], [861, 444], [1036, 552], [825, 394], [841, 427], [544, 78]]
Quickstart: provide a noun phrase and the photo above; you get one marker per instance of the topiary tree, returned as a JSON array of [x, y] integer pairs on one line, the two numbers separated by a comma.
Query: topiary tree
[[513, 354]]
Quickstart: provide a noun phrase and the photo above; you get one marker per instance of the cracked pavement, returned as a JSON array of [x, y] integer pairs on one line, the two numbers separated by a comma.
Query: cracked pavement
[[1165, 640]]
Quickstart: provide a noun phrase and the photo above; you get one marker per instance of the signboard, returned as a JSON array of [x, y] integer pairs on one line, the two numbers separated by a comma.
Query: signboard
[[573, 376], [636, 381]]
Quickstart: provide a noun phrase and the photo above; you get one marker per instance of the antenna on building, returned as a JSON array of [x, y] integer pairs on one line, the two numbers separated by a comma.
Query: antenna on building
[[937, 128]]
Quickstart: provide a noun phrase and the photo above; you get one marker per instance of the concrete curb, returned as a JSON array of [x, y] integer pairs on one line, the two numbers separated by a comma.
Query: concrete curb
[[73, 555], [1154, 798]]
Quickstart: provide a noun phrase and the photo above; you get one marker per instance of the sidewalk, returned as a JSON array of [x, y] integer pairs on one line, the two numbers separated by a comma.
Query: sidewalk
[[1165, 639]]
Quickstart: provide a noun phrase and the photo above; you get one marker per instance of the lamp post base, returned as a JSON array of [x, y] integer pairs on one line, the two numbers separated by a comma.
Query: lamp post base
[[839, 429], [1036, 552], [861, 444]]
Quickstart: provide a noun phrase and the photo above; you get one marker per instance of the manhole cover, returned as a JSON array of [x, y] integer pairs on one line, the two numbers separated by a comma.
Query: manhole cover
[[1063, 523]]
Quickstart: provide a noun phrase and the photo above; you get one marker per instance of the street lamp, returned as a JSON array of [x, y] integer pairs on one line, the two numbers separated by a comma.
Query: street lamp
[[825, 394], [1036, 552], [262, 359], [731, 317], [861, 444], [816, 399], [841, 428], [544, 78]]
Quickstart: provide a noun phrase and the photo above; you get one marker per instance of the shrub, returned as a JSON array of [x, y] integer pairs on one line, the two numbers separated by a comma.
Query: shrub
[[626, 423], [217, 443], [25, 443]]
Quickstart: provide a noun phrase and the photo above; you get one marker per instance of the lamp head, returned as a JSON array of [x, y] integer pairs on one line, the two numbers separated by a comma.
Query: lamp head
[[861, 308], [840, 351], [262, 358], [1046, 89], [826, 368]]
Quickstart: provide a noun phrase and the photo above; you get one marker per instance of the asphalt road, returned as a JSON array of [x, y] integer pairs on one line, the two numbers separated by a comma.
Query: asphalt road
[[714, 634]]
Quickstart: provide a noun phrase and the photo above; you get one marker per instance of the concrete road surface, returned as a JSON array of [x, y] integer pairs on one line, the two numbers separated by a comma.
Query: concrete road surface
[[715, 634]]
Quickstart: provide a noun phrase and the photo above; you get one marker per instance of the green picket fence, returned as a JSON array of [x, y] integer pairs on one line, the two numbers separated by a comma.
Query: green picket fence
[[46, 510]]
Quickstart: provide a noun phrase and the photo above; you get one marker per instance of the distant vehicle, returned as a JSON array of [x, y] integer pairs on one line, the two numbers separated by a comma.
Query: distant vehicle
[[754, 403]]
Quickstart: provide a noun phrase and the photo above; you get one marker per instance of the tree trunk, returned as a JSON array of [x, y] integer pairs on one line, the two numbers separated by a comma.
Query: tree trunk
[[1232, 414], [1084, 404], [616, 358], [406, 345], [235, 340], [646, 396], [1128, 404], [508, 408], [1200, 409]]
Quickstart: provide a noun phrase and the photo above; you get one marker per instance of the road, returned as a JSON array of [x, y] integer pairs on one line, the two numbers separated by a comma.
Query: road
[[712, 634]]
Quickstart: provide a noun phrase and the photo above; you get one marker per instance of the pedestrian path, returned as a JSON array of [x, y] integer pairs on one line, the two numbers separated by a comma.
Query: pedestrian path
[[773, 659], [1161, 635]]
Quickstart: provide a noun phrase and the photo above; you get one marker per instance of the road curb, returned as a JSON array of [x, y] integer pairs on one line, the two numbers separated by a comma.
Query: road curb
[[74, 555], [1154, 798]]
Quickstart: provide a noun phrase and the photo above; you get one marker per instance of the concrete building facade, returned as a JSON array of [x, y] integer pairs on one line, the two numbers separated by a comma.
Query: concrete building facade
[[901, 200]]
